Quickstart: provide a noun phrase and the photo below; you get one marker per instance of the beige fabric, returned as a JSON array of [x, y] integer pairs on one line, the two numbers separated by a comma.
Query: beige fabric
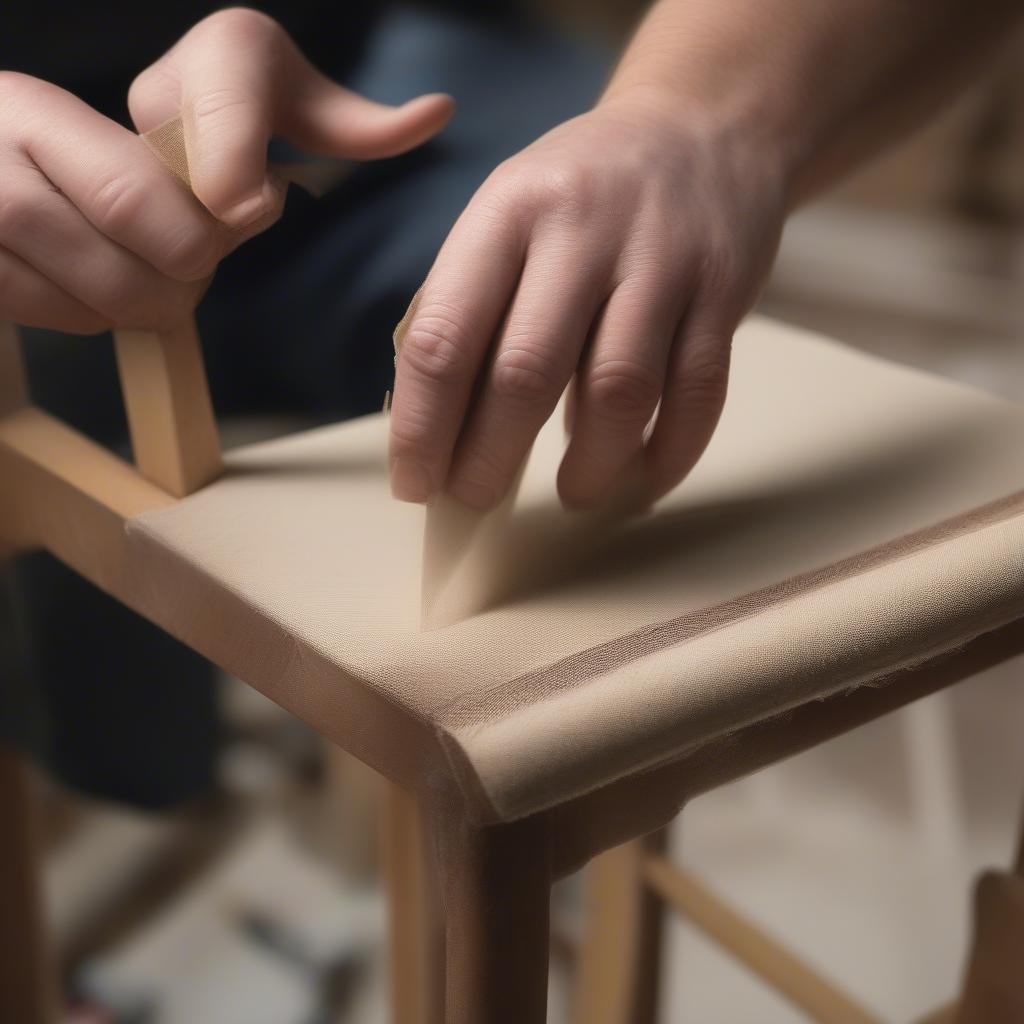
[[168, 142], [802, 557], [461, 547]]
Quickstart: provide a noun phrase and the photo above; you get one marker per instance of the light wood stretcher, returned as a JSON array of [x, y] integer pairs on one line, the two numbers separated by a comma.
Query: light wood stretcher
[[853, 541]]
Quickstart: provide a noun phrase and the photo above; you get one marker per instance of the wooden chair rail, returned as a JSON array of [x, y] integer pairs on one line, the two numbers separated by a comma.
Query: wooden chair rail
[[769, 959], [170, 417], [992, 991]]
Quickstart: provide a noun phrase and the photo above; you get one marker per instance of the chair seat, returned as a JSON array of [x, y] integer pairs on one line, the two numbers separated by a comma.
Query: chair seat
[[850, 519]]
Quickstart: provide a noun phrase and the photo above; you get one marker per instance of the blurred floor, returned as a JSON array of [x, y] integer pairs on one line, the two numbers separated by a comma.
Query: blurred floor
[[848, 852], [830, 853]]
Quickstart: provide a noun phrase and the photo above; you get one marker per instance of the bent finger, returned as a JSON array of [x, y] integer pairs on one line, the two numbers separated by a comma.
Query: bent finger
[[618, 388], [48, 232], [449, 333], [537, 351], [121, 187], [29, 298], [692, 403]]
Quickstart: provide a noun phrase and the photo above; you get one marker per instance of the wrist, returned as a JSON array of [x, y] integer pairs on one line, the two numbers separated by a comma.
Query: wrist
[[734, 127], [708, 68]]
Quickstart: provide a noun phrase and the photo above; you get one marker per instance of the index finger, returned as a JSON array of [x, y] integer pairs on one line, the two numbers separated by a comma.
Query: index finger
[[449, 333], [227, 117], [121, 187]]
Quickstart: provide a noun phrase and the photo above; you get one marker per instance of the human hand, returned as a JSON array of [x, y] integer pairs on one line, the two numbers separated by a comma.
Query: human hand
[[95, 232], [623, 247]]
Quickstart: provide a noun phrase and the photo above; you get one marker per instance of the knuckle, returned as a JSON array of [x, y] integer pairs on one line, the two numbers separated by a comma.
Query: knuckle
[[116, 201], [525, 373], [413, 432], [705, 377], [505, 181], [410, 437], [220, 104], [566, 189], [623, 391], [436, 345], [502, 203]]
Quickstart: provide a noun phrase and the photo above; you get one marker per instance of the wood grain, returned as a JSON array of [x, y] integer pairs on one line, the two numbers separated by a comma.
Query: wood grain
[[804, 987], [620, 957], [170, 417], [496, 887]]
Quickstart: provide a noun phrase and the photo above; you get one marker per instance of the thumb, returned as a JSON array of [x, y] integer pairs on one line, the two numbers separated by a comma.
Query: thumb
[[323, 117]]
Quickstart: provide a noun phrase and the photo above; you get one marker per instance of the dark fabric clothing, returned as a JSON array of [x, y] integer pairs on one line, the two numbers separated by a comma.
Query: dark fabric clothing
[[120, 710], [95, 50], [299, 320]]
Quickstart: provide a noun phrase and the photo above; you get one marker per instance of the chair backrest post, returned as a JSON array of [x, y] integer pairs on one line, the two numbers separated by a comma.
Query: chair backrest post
[[170, 416]]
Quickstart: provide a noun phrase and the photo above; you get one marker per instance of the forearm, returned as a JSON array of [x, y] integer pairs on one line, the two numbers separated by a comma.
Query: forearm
[[821, 83]]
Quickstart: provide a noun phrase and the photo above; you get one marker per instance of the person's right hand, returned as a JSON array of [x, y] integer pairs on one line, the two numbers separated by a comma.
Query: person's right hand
[[96, 233]]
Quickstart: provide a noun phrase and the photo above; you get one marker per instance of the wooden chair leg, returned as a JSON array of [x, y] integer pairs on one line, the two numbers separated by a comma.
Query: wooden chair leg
[[496, 887], [993, 990], [620, 957], [415, 923], [28, 981], [354, 832]]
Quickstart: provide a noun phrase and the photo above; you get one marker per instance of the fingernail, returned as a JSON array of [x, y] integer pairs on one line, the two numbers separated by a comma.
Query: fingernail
[[410, 481], [249, 210]]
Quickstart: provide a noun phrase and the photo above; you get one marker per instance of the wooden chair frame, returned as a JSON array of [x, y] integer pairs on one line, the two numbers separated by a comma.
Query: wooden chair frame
[[470, 899]]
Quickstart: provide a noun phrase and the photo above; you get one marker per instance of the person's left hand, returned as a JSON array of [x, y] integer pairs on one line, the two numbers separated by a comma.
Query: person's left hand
[[624, 247]]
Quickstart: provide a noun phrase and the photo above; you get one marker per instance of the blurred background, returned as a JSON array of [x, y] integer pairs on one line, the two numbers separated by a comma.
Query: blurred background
[[258, 902]]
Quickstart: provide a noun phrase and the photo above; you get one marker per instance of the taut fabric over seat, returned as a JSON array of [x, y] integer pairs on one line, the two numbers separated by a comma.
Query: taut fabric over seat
[[850, 519]]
